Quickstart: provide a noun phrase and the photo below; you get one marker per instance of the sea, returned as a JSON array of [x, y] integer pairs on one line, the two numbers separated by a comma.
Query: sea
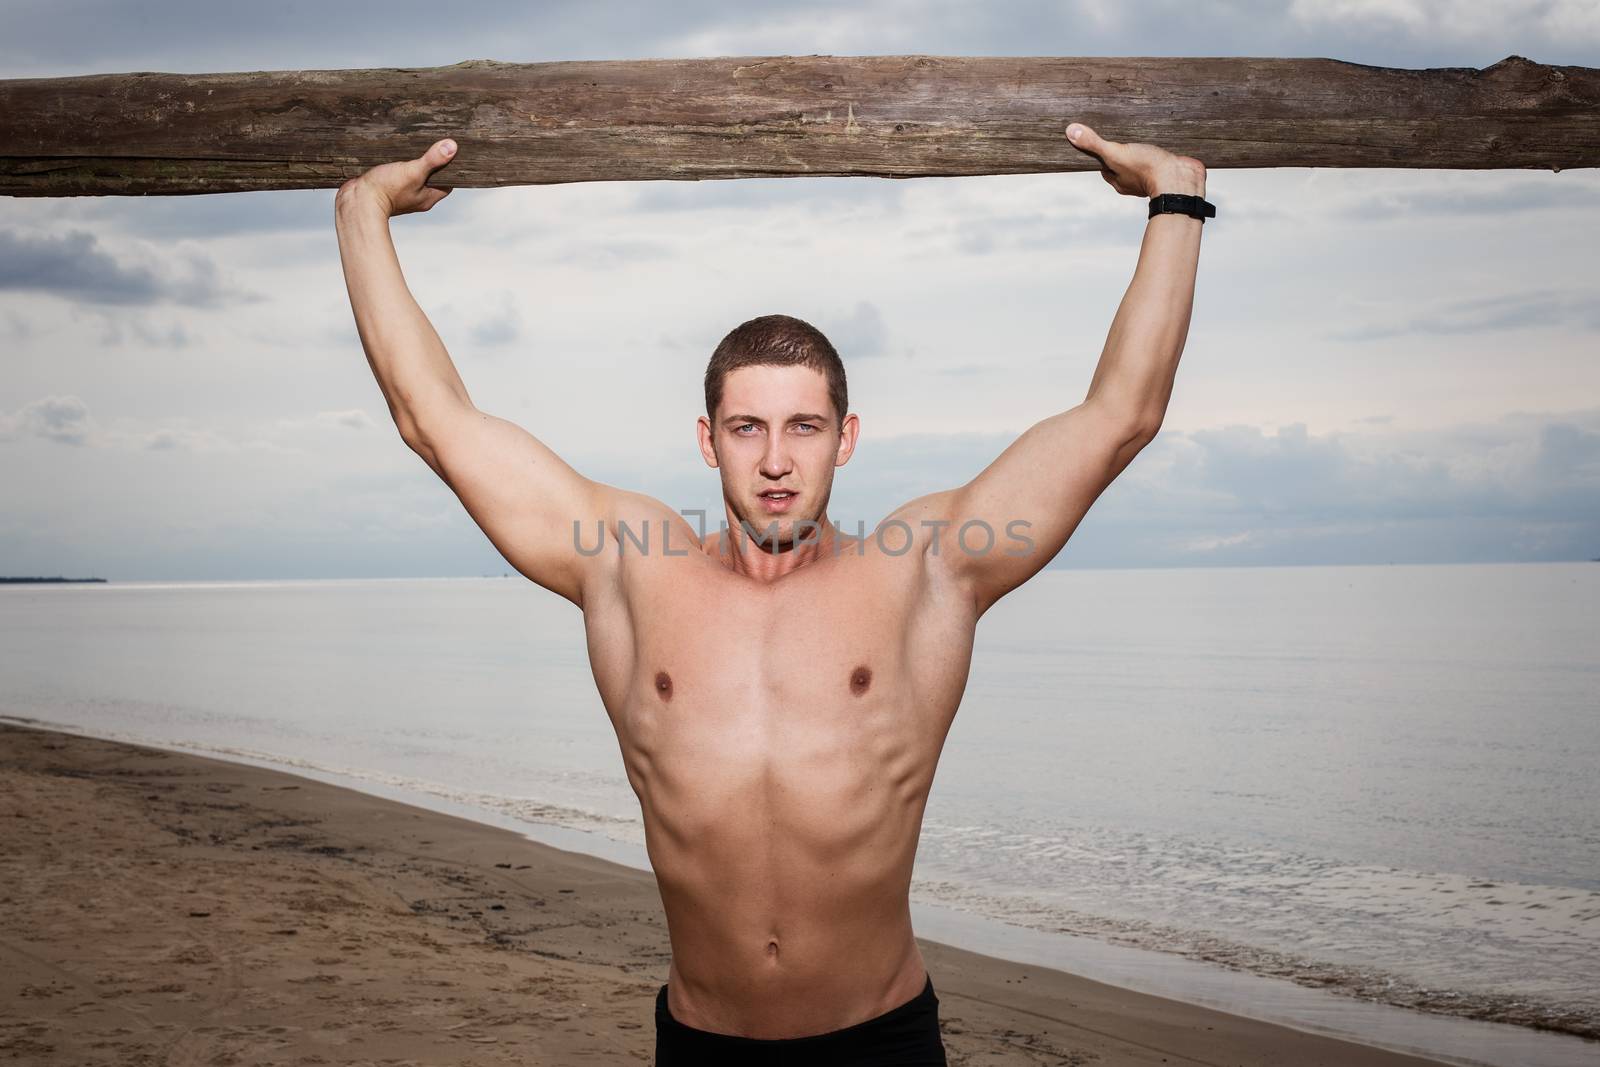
[[1362, 800]]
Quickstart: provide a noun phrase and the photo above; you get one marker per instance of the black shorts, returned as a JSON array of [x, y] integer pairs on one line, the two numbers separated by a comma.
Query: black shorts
[[907, 1036]]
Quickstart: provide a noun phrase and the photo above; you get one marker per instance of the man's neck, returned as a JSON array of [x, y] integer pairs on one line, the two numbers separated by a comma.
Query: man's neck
[[741, 551]]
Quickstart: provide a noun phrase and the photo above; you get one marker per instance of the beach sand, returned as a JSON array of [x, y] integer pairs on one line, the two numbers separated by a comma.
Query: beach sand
[[164, 908]]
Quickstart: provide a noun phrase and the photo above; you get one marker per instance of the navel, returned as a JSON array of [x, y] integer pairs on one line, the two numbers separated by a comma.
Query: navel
[[772, 948], [860, 679], [663, 685]]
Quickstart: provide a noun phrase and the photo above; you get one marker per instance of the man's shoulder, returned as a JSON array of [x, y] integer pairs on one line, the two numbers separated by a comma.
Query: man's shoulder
[[915, 528], [926, 527], [925, 511], [630, 517], [625, 538]]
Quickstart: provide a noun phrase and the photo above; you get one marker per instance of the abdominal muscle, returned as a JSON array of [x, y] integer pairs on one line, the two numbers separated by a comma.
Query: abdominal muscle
[[783, 851]]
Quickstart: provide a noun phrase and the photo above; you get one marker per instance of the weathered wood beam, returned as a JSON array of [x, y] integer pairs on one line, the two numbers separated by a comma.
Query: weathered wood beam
[[889, 116]]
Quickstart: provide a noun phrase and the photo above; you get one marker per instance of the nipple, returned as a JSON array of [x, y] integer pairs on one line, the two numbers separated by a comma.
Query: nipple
[[860, 679], [663, 685]]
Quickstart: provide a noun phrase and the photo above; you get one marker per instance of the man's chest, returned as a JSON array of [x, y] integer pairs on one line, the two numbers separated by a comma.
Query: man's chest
[[853, 645]]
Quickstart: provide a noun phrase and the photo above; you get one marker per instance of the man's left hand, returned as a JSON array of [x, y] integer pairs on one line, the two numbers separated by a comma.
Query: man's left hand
[[1140, 169]]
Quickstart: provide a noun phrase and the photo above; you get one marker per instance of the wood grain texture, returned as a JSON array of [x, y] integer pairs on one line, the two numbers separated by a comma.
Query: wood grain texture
[[743, 117]]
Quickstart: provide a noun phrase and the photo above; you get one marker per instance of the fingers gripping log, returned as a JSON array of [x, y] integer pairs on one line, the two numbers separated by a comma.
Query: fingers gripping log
[[888, 116]]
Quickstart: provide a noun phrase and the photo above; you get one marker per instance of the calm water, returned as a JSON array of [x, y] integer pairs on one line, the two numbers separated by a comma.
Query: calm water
[[1376, 779]]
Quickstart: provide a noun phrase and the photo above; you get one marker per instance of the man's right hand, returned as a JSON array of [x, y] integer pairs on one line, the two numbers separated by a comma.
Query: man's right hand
[[401, 188], [1140, 169]]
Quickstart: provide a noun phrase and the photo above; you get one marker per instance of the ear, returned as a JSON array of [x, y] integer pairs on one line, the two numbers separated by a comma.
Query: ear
[[849, 430], [708, 452]]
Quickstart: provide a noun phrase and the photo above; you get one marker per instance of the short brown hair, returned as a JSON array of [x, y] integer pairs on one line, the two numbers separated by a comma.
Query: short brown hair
[[779, 341]]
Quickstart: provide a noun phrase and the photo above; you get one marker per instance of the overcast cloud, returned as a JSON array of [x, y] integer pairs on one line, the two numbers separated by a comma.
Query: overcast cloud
[[1383, 365]]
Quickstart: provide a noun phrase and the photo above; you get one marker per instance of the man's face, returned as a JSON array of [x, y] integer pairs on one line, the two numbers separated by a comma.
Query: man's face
[[776, 443]]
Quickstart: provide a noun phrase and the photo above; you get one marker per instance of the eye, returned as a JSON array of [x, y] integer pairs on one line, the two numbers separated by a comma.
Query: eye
[[804, 426], [744, 426]]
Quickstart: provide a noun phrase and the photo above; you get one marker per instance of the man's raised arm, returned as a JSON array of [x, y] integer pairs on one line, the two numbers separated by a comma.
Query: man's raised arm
[[520, 493], [1040, 487]]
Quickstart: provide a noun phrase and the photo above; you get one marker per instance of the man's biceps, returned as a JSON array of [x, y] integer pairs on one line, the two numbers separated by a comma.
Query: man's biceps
[[974, 523], [541, 540], [1024, 503], [500, 459], [999, 493]]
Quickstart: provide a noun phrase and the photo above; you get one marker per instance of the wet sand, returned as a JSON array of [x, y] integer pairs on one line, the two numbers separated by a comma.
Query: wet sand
[[165, 908]]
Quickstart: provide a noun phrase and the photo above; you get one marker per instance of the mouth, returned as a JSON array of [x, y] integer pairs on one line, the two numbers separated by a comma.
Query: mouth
[[776, 500]]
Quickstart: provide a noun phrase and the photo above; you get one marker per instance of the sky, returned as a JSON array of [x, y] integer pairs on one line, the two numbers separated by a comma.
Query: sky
[[1383, 366]]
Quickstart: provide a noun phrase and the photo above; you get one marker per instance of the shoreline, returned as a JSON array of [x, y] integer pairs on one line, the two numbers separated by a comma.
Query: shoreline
[[1451, 1034], [163, 903]]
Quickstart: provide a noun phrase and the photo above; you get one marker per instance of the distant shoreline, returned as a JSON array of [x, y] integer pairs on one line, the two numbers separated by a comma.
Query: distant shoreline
[[58, 578]]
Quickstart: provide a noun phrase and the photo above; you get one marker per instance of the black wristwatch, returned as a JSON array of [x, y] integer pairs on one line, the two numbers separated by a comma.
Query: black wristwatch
[[1183, 204]]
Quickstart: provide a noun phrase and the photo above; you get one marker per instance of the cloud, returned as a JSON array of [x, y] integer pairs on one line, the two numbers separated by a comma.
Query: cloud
[[15, 327], [1471, 491], [499, 327], [1002, 233], [209, 216], [606, 254], [41, 39], [837, 27], [1526, 486], [1446, 201], [117, 324], [1575, 309], [62, 419], [354, 419], [1568, 458], [834, 197], [487, 322], [1571, 19], [186, 439], [74, 266], [285, 437], [858, 334]]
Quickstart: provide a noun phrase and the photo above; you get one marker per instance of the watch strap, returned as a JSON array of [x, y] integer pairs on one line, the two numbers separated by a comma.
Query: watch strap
[[1183, 204]]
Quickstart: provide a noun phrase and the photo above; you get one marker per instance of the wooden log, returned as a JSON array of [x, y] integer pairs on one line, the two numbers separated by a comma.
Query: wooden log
[[889, 116]]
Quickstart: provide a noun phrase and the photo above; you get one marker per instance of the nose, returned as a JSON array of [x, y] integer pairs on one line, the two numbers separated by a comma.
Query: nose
[[775, 461]]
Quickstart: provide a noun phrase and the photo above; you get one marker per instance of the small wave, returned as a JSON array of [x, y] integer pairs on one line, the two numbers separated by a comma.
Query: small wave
[[522, 809], [1374, 984]]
